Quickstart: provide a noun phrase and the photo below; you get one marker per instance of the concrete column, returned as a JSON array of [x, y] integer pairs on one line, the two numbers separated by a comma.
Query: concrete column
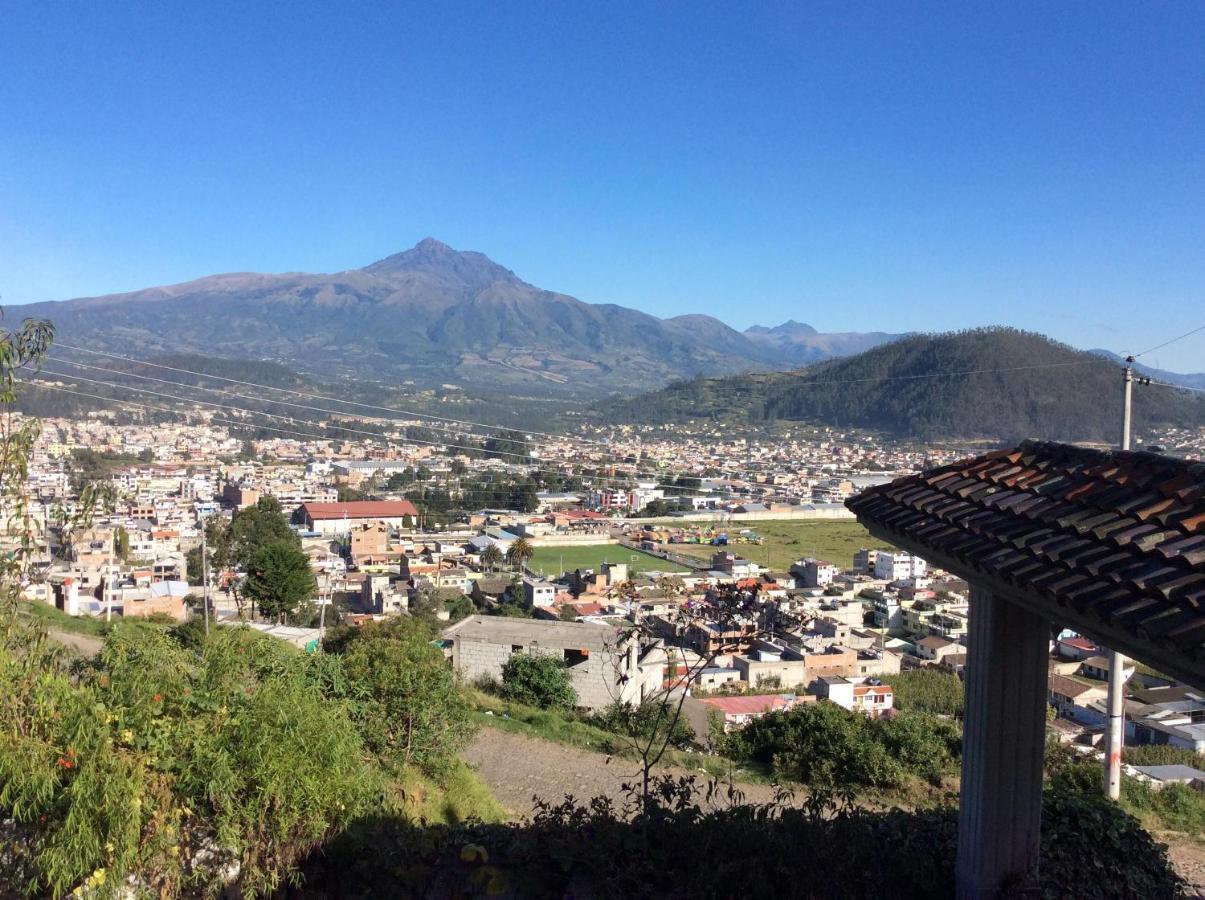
[[1004, 738]]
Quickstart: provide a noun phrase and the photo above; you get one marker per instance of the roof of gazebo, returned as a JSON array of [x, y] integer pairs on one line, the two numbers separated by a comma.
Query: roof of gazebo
[[1109, 543]]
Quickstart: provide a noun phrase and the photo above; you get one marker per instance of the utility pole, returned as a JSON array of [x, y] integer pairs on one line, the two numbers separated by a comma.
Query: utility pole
[[1115, 736], [205, 576], [109, 573]]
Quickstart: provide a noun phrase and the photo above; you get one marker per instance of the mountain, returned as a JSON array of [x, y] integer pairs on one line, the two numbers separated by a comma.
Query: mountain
[[1194, 380], [803, 344], [431, 315], [993, 383]]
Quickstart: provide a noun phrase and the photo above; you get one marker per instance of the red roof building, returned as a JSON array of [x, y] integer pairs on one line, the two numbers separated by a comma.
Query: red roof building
[[332, 518]]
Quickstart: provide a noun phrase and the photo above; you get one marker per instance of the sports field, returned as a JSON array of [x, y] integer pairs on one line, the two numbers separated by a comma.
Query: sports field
[[787, 541], [550, 560]]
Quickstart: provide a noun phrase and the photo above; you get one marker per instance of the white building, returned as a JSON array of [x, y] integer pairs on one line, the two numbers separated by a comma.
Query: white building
[[891, 565]]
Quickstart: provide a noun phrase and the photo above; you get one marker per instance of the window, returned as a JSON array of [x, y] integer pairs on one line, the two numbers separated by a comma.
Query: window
[[575, 657]]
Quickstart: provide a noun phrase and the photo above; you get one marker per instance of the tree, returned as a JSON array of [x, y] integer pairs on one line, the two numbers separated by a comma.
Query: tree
[[538, 680], [506, 445], [409, 705], [146, 455], [491, 557], [279, 578], [519, 552]]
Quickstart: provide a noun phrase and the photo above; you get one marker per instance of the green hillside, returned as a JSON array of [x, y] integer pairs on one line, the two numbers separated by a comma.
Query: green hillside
[[996, 383]]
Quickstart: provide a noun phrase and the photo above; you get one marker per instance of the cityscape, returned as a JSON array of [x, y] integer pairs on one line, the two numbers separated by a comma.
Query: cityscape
[[417, 578]]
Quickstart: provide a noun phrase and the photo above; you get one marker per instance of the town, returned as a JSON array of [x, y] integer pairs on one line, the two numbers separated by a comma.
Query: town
[[626, 556]]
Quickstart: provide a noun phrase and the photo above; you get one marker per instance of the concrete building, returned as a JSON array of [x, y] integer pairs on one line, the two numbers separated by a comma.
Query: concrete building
[[893, 565], [340, 518], [599, 657]]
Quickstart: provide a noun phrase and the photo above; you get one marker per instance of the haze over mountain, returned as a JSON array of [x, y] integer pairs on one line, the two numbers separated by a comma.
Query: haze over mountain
[[433, 315], [995, 383]]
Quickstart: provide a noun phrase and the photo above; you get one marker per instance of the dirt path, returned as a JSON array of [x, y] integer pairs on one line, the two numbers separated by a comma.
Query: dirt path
[[518, 768], [1189, 859], [83, 644]]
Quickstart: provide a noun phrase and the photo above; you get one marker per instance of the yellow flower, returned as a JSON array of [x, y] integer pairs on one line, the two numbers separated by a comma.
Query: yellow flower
[[473, 852], [174, 851], [127, 736]]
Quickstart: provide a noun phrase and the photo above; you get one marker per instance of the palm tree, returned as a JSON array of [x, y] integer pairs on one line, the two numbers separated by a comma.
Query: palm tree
[[491, 556], [518, 553]]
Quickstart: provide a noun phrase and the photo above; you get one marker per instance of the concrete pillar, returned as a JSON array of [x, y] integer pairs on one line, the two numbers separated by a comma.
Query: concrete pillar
[[1004, 738]]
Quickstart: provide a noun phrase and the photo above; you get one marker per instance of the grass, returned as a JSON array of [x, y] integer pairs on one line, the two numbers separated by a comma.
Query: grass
[[457, 795], [786, 541], [549, 560], [52, 617]]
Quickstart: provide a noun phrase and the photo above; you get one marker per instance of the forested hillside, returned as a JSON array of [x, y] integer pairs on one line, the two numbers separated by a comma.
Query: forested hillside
[[987, 383]]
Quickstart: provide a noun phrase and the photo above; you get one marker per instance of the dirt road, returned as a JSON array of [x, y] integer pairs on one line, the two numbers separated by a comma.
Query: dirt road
[[518, 768]]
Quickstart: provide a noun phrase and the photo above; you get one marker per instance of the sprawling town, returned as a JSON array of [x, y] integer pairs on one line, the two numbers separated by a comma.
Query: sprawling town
[[630, 555]]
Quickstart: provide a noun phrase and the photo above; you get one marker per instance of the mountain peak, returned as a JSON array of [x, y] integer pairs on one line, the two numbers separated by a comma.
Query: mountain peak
[[436, 259]]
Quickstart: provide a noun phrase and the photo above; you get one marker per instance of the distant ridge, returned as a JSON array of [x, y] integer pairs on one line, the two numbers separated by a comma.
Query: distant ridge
[[432, 315], [1026, 386]]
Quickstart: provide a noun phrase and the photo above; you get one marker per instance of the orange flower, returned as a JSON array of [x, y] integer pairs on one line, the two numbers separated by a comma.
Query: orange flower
[[157, 697]]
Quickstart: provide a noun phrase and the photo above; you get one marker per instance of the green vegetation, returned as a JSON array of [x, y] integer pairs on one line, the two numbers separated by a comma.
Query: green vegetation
[[538, 680], [1162, 755], [405, 699], [1175, 807], [1064, 396], [683, 845], [550, 559], [928, 690], [52, 617], [787, 540], [822, 745]]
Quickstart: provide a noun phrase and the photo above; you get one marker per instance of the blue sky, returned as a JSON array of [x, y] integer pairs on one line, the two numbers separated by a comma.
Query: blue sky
[[858, 167]]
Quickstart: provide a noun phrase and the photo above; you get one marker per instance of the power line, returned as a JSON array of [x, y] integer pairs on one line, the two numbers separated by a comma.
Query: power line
[[534, 464], [1172, 341], [405, 412], [306, 394]]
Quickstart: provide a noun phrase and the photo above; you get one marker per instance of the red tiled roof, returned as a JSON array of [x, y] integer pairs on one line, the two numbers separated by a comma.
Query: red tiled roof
[[360, 509], [747, 706], [1112, 542]]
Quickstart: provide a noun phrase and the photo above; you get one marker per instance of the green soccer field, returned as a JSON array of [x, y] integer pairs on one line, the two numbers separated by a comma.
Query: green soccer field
[[787, 541], [550, 560]]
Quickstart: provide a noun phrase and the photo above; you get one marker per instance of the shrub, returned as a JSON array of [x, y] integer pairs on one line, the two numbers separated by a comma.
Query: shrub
[[647, 721], [538, 680], [824, 745], [405, 699], [169, 764], [1162, 755], [928, 690]]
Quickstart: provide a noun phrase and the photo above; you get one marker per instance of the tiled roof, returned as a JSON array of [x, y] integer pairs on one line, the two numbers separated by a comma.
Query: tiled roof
[[1114, 540], [360, 509]]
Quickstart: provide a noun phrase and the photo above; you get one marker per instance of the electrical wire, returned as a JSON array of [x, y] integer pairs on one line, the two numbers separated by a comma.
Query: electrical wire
[[531, 463], [1169, 343]]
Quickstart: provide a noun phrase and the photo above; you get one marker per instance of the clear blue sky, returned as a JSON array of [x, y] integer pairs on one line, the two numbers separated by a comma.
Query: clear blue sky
[[857, 167]]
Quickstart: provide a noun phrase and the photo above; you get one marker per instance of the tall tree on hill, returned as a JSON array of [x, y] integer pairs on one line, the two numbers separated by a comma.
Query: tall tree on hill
[[518, 553]]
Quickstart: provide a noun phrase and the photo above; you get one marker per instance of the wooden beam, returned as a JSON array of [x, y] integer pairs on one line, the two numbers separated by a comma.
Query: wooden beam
[[1191, 671], [1004, 740]]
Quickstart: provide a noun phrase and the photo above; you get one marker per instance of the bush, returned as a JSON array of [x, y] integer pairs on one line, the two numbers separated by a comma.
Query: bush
[[538, 680], [928, 690], [403, 696], [685, 847], [1162, 755], [824, 745], [169, 764], [648, 721]]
